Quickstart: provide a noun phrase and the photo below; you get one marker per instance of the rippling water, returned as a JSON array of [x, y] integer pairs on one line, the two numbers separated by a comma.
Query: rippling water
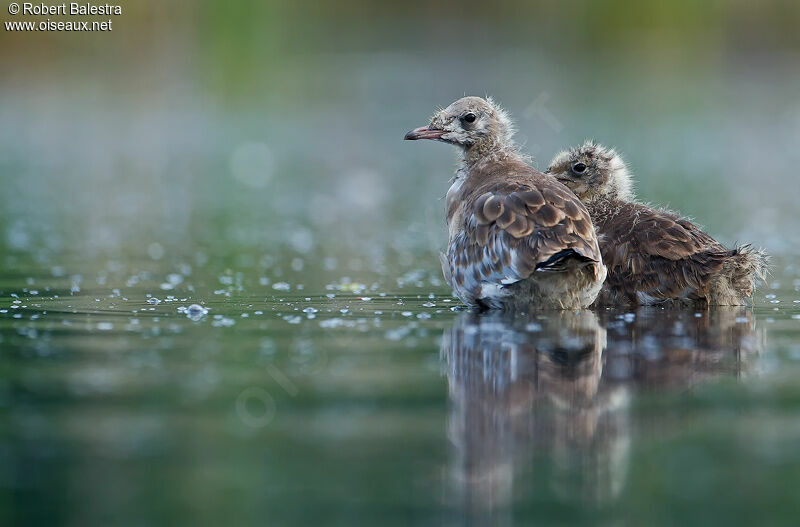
[[220, 297], [362, 403]]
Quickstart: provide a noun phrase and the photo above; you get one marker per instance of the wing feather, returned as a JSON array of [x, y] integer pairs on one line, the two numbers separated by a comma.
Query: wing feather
[[656, 252], [508, 231]]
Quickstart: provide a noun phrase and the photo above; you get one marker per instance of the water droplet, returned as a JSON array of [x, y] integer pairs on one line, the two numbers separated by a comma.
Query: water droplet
[[155, 251], [196, 312]]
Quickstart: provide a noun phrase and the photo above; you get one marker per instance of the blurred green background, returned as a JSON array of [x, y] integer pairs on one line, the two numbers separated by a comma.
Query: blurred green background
[[264, 123]]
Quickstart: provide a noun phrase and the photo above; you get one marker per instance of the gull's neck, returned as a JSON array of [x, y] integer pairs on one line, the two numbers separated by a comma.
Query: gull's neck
[[486, 151]]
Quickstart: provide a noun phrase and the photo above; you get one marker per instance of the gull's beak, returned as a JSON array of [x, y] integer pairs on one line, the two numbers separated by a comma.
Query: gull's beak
[[424, 132]]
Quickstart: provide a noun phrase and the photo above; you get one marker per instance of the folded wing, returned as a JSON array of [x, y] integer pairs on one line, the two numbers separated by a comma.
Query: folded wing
[[509, 233], [662, 256]]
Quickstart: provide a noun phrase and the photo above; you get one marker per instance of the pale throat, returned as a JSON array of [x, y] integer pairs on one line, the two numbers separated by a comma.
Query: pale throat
[[485, 149]]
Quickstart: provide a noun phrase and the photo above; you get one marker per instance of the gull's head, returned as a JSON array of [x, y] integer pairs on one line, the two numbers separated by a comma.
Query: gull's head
[[593, 171], [469, 122]]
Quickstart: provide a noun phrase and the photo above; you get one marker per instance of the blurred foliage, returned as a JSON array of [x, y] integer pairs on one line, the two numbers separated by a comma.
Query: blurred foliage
[[248, 47]]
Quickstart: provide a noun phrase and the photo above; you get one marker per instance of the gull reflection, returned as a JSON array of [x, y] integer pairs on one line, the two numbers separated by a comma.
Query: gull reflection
[[547, 397]]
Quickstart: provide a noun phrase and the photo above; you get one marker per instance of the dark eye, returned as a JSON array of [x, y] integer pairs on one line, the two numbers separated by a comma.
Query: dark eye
[[469, 118], [579, 168]]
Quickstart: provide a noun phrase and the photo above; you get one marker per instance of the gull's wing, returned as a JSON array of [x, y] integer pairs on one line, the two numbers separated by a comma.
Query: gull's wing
[[511, 230], [660, 254]]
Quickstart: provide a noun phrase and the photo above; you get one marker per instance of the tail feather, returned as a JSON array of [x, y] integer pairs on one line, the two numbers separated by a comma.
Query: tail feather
[[749, 264], [740, 274], [562, 260]]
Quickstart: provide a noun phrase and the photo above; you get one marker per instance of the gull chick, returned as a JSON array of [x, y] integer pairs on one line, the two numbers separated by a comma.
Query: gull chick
[[518, 239], [653, 254]]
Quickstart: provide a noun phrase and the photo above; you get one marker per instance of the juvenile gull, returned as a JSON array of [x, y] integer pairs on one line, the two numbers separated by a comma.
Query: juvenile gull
[[653, 254], [517, 239]]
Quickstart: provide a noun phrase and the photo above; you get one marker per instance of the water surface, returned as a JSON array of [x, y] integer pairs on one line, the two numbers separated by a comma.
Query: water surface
[[362, 403], [248, 159]]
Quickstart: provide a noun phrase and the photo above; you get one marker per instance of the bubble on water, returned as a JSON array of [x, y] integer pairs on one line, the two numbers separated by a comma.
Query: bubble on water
[[252, 164], [153, 301], [18, 237], [796, 317], [174, 278], [221, 321], [281, 286], [310, 310], [195, 312], [264, 280], [399, 333], [105, 326], [155, 250], [413, 277], [302, 240]]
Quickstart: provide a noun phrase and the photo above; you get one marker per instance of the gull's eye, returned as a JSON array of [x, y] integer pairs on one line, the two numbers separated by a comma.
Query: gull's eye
[[579, 168], [469, 118]]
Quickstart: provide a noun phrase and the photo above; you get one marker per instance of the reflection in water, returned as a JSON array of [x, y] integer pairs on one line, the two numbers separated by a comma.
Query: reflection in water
[[556, 387]]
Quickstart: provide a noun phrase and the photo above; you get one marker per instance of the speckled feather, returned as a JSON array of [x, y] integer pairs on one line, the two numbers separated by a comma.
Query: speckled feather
[[653, 254], [507, 221]]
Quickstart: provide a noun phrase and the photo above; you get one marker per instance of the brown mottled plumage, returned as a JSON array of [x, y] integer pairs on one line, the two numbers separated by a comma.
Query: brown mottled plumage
[[518, 239], [653, 254]]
